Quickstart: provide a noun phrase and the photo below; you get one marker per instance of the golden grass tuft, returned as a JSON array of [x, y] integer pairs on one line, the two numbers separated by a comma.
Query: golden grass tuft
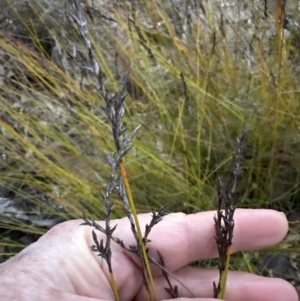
[[195, 84]]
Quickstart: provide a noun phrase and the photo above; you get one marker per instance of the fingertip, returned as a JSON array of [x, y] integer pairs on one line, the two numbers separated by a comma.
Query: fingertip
[[287, 289], [242, 286], [281, 220], [262, 227], [278, 288]]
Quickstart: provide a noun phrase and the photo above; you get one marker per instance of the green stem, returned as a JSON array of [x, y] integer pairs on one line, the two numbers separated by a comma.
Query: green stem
[[114, 286], [138, 228], [223, 280]]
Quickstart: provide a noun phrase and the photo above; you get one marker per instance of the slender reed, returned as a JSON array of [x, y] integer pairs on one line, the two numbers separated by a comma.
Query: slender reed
[[224, 220], [114, 110]]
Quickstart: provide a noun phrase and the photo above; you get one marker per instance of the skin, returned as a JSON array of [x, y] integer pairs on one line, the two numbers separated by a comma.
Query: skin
[[60, 265]]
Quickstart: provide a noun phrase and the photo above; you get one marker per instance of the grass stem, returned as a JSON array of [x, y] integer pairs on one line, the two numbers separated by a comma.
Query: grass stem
[[138, 228], [114, 286], [224, 275]]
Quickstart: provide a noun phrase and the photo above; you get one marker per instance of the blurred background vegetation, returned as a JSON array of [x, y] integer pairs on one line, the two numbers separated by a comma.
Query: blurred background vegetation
[[200, 73]]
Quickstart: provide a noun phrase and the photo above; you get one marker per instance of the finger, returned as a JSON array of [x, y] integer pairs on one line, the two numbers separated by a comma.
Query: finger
[[192, 299], [182, 238], [62, 259], [48, 294], [240, 286]]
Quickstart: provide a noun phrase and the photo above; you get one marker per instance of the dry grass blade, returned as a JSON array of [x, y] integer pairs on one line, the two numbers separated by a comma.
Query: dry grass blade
[[198, 72]]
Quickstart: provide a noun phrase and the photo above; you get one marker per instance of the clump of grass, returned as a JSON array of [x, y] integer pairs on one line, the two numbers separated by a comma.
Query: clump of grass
[[196, 78]]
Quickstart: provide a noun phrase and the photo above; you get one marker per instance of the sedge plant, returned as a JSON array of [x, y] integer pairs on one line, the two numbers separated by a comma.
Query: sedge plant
[[197, 73]]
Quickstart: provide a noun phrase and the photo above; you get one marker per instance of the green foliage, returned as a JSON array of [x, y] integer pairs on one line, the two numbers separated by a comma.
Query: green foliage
[[195, 84]]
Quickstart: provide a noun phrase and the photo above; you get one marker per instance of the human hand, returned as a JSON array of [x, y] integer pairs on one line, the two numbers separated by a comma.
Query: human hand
[[61, 267]]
